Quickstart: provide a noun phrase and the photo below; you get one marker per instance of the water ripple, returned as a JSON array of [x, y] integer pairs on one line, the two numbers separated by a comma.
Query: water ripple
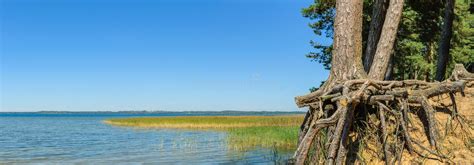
[[81, 140]]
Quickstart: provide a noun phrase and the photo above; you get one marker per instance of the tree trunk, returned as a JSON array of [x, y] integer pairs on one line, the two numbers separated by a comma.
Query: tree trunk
[[378, 16], [346, 63], [445, 43], [334, 106], [429, 60], [389, 73], [387, 39], [470, 68]]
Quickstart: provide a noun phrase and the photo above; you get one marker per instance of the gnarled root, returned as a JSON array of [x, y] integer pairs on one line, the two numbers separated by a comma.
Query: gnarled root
[[390, 102]]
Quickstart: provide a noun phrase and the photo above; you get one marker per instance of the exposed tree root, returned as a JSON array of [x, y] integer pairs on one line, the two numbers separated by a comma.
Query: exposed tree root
[[336, 108]]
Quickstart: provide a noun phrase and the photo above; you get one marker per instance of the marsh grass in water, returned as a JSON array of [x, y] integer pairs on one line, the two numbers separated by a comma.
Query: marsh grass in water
[[244, 132], [279, 137]]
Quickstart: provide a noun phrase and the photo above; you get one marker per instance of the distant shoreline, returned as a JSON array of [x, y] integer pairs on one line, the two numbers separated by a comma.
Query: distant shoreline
[[143, 113], [162, 112]]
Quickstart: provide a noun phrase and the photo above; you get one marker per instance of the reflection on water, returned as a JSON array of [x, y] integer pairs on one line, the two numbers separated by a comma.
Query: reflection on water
[[87, 140]]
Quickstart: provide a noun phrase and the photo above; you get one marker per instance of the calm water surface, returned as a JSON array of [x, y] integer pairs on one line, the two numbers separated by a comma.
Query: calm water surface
[[84, 139]]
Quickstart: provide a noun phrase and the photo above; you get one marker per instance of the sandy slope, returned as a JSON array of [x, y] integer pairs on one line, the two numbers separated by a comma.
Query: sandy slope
[[458, 145]]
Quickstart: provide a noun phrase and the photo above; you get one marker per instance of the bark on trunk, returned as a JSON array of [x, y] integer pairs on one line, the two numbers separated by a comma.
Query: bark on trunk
[[429, 59], [389, 73], [346, 63], [445, 43], [378, 16], [387, 39]]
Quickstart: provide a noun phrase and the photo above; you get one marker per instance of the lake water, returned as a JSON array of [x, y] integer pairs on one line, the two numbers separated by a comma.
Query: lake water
[[83, 139]]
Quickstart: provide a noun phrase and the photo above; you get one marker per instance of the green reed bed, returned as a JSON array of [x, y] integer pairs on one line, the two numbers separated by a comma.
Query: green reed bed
[[244, 132], [280, 137]]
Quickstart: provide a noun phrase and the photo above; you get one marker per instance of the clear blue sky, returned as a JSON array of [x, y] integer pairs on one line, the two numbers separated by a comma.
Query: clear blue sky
[[176, 55]]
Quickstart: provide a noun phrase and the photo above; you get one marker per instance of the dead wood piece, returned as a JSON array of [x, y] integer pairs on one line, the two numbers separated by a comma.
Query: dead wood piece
[[432, 126], [406, 135], [303, 148], [306, 122], [302, 101], [388, 155], [459, 72], [377, 98], [342, 152], [334, 145]]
